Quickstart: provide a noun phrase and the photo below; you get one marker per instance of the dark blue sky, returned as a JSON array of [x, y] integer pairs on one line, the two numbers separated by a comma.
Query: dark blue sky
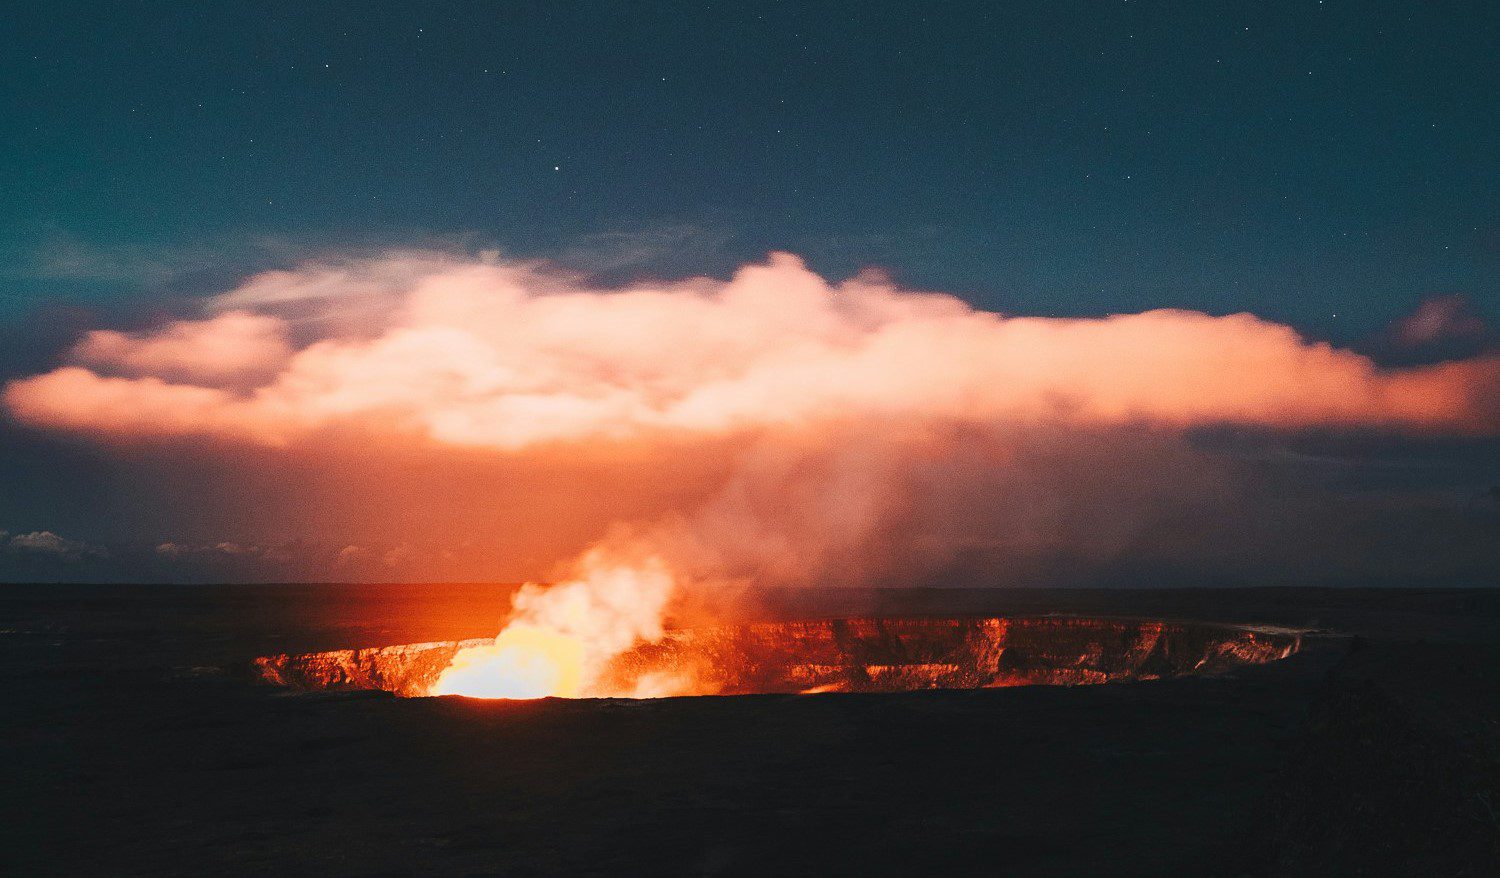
[[1299, 159]]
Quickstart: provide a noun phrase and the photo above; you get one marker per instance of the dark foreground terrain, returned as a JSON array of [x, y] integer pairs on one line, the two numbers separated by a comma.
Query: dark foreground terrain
[[135, 741]]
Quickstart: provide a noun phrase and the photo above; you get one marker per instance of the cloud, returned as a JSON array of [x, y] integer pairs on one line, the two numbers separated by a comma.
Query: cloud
[[642, 249], [353, 554], [64, 257], [422, 416], [222, 549], [45, 542], [233, 348], [497, 355], [1438, 319], [1441, 328]]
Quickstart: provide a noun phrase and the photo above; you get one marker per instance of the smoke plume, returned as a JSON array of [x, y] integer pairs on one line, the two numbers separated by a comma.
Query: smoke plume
[[774, 428]]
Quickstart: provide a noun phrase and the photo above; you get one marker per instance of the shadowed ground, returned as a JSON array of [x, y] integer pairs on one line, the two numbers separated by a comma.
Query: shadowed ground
[[137, 742]]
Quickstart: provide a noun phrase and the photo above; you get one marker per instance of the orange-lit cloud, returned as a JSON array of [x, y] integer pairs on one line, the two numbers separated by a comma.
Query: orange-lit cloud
[[493, 355], [236, 347], [427, 416]]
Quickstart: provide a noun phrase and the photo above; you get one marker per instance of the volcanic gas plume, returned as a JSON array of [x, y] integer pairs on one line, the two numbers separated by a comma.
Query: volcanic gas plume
[[774, 428], [560, 639]]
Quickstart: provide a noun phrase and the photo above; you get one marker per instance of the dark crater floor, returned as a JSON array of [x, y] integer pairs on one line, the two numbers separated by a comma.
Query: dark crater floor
[[139, 741]]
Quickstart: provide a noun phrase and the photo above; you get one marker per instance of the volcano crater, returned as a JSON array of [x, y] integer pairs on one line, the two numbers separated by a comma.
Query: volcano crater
[[844, 655]]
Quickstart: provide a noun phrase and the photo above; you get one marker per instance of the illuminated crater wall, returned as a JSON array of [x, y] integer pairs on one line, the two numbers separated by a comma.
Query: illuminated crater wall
[[847, 655]]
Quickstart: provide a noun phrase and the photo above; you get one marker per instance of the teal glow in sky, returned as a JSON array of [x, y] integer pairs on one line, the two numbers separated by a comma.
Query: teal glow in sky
[[1299, 160]]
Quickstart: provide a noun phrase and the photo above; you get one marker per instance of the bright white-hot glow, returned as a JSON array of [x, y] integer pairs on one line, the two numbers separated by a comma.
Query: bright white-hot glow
[[560, 638], [523, 662]]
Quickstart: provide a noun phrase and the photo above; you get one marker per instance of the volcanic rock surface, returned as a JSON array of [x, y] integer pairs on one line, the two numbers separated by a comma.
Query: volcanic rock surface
[[135, 747], [850, 655]]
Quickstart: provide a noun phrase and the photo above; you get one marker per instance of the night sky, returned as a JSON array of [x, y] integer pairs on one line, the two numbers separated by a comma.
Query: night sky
[[1327, 165]]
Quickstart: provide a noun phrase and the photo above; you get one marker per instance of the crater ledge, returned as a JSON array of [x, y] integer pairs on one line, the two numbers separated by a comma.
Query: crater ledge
[[850, 655]]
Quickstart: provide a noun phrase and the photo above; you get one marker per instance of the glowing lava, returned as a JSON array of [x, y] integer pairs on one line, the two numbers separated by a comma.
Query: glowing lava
[[560, 638], [525, 661], [899, 654]]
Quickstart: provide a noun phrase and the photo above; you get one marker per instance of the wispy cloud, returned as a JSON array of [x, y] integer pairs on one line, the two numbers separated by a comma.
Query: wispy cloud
[[644, 249], [45, 542], [67, 258]]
